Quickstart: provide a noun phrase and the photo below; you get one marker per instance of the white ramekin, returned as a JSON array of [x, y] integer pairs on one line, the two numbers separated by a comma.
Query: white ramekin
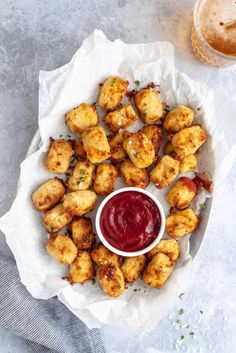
[[131, 253]]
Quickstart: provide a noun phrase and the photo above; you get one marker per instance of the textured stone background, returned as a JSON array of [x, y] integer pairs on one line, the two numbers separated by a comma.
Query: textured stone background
[[40, 34]]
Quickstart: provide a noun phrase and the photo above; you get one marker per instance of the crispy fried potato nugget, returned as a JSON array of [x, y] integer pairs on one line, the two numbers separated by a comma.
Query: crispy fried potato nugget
[[82, 176], [59, 156], [139, 149], [82, 117], [181, 223], [96, 144], [61, 248], [149, 105], [81, 269], [182, 193], [134, 176], [56, 218], [105, 179], [82, 233], [111, 279], [112, 92], [121, 118], [77, 203], [103, 256], [178, 118], [48, 194], [158, 270], [154, 133], [79, 149], [187, 163], [132, 267], [168, 247], [118, 152], [188, 140], [164, 172]]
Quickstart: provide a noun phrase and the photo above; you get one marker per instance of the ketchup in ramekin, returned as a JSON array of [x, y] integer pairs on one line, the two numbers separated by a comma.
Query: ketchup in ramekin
[[130, 221]]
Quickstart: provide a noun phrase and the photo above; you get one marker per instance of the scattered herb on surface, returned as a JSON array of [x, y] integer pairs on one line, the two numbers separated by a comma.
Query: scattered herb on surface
[[82, 177], [201, 312], [179, 322], [181, 295], [68, 136], [93, 281], [181, 311], [137, 82], [191, 333], [182, 337], [135, 289], [135, 154], [203, 206]]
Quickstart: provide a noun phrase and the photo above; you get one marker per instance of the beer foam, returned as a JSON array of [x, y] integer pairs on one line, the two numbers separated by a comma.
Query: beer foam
[[218, 24]]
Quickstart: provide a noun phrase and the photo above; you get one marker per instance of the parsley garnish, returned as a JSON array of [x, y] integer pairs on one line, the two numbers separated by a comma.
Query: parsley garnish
[[182, 337], [82, 177], [93, 281], [191, 333], [201, 311], [181, 311], [178, 322], [180, 296], [203, 206], [135, 154], [135, 289], [137, 82]]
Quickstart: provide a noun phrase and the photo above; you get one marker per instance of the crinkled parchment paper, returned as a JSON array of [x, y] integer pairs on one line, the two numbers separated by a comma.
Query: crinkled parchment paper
[[64, 88]]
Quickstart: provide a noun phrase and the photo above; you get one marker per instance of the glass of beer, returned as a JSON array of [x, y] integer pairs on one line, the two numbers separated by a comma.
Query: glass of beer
[[214, 31]]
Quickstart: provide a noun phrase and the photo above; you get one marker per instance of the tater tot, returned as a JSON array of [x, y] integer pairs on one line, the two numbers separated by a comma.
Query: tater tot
[[106, 176], [59, 156], [158, 270], [164, 172], [154, 133], [112, 92], [61, 248], [134, 176], [182, 193], [48, 194], [118, 152], [77, 203], [79, 149], [81, 269], [139, 149], [149, 105], [111, 279], [56, 218], [121, 118], [103, 256], [187, 163], [181, 223], [82, 233], [96, 144], [81, 178], [82, 117], [188, 140], [178, 118], [169, 247], [132, 267]]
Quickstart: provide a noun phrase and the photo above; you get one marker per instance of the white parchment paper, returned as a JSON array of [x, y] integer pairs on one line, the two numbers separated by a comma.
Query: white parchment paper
[[63, 89]]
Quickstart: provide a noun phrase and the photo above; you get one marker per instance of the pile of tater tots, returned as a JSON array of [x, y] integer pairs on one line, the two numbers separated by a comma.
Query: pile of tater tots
[[166, 146]]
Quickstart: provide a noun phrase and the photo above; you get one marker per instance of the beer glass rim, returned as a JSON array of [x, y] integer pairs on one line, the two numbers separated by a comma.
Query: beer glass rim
[[198, 31]]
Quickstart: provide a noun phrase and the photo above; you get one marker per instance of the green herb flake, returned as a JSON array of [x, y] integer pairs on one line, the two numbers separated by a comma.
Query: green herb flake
[[181, 311], [93, 281], [139, 289], [201, 312], [191, 333], [82, 176], [137, 82], [203, 206], [181, 295], [181, 338], [60, 135], [135, 289], [135, 155], [131, 284], [187, 326], [179, 322]]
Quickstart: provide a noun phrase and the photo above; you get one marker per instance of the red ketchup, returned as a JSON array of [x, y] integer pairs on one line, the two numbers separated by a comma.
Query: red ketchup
[[130, 221]]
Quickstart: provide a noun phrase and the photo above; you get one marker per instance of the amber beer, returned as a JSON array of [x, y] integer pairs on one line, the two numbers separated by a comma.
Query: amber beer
[[214, 31]]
